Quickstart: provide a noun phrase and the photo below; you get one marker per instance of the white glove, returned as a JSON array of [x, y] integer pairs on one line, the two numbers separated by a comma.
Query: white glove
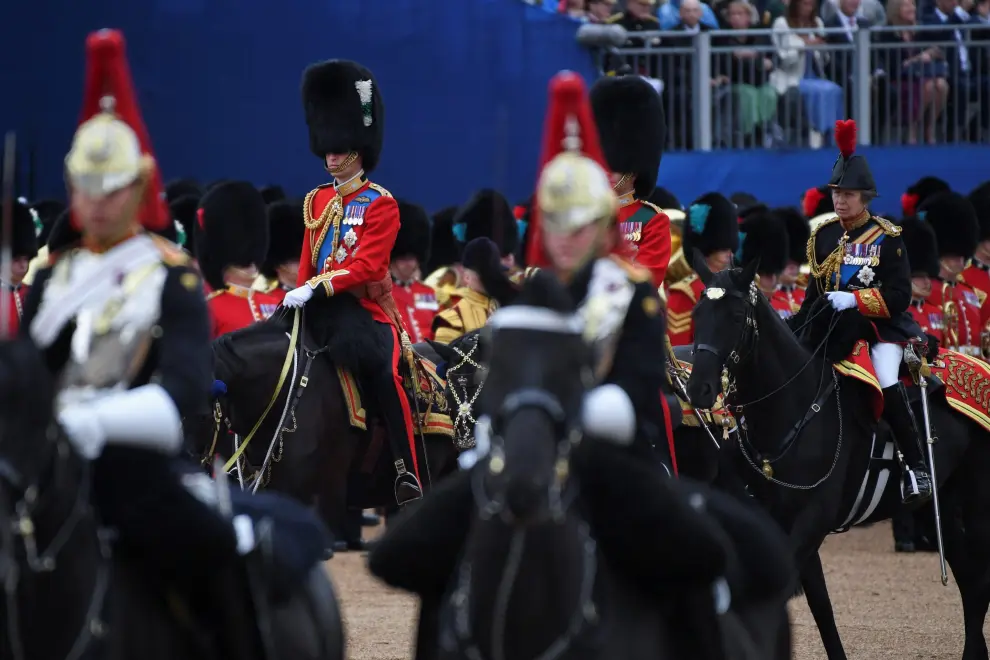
[[81, 423], [298, 297], [841, 300]]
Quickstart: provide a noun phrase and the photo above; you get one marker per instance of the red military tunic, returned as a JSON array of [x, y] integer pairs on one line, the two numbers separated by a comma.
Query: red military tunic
[[780, 302], [681, 298], [977, 275], [928, 316], [646, 226], [961, 320], [417, 303], [16, 295], [793, 294], [238, 307]]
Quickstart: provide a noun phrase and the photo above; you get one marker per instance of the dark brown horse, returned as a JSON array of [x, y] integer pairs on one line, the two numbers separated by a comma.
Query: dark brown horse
[[300, 440]]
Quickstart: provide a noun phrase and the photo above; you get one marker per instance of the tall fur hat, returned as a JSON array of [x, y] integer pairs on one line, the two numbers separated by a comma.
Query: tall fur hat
[[980, 199], [747, 204], [953, 218], [272, 193], [344, 110], [48, 211], [414, 233], [177, 188], [763, 237], [231, 230], [24, 234], [183, 212], [488, 214], [632, 127], [711, 225], [665, 199], [445, 249], [921, 190], [63, 235], [798, 233], [482, 256], [921, 245], [286, 231], [816, 202]]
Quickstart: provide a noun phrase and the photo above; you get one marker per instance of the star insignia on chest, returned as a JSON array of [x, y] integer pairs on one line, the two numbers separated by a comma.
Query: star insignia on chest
[[866, 275], [341, 254], [350, 238]]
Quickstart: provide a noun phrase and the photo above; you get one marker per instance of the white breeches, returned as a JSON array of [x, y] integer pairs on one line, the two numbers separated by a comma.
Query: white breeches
[[887, 360]]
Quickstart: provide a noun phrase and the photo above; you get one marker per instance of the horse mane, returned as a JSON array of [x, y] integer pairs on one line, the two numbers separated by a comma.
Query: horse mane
[[229, 350], [766, 316]]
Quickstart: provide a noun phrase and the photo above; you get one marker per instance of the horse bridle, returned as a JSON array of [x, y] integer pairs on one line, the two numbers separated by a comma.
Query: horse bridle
[[16, 521], [561, 495]]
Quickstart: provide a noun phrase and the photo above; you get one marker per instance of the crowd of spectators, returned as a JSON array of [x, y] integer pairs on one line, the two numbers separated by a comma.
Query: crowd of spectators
[[782, 71]]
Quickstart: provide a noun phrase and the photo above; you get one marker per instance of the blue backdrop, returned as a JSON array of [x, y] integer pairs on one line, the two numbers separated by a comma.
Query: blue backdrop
[[464, 83]]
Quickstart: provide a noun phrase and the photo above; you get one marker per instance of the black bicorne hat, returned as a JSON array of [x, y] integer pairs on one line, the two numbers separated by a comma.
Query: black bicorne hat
[[763, 237], [711, 225], [850, 172], [633, 130], [953, 219], [414, 233], [231, 230], [344, 111], [286, 230], [921, 245]]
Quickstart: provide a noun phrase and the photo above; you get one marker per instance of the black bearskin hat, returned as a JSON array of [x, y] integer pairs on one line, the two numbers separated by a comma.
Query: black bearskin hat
[[344, 110], [272, 193], [445, 250], [183, 212], [816, 202], [763, 237], [414, 233], [24, 235], [169, 232], [632, 127], [798, 233], [952, 216], [921, 245], [232, 230], [48, 211], [482, 256], [850, 172], [665, 199], [711, 225], [63, 235], [980, 199], [180, 188], [921, 190], [286, 231], [488, 214], [747, 204]]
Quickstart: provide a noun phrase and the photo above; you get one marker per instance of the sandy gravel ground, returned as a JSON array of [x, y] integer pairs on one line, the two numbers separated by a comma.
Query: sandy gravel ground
[[878, 619]]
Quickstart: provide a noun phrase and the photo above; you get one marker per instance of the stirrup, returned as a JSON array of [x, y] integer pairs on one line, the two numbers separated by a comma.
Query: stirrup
[[407, 482], [915, 485]]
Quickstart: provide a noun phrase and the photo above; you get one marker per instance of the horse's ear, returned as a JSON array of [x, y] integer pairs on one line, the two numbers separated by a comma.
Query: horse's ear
[[748, 274], [445, 352], [701, 267]]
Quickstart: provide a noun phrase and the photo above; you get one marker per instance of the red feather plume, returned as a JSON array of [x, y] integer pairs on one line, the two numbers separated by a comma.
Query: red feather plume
[[107, 73], [810, 202], [845, 136], [909, 204]]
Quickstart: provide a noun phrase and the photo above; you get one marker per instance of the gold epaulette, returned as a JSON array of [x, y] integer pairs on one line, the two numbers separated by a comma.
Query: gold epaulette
[[888, 227], [615, 18], [172, 254], [684, 286], [213, 294], [378, 189], [656, 209], [636, 273], [263, 284]]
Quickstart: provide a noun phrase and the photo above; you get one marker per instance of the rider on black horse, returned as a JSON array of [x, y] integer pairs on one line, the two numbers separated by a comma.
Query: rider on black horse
[[858, 261], [351, 227]]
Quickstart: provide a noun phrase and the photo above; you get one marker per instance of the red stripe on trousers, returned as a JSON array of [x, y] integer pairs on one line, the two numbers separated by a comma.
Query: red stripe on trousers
[[403, 399], [669, 430]]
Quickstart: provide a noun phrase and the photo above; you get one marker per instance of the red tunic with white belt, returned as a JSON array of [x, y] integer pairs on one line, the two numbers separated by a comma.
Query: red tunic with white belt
[[16, 295]]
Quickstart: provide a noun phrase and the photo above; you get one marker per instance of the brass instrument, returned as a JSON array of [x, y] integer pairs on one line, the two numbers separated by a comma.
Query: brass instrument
[[950, 318]]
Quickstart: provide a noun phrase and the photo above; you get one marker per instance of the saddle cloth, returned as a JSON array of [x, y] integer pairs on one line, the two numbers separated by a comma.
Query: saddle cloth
[[428, 398]]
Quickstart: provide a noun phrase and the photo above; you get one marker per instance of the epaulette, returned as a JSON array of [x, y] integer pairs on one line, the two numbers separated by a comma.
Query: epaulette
[[213, 294], [378, 189], [636, 273], [816, 226], [615, 18], [172, 254], [888, 227], [684, 286], [656, 209]]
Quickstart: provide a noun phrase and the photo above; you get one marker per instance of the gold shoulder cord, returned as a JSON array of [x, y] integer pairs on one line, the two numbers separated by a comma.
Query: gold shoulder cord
[[332, 215], [829, 268]]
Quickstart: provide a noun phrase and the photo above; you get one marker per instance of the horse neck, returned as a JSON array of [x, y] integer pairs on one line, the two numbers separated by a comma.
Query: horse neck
[[775, 374], [67, 533], [522, 575]]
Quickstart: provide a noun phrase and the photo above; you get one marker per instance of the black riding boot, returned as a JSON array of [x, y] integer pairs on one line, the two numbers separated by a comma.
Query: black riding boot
[[915, 482], [407, 486]]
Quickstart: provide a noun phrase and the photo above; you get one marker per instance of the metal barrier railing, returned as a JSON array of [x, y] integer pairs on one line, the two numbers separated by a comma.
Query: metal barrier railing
[[730, 89]]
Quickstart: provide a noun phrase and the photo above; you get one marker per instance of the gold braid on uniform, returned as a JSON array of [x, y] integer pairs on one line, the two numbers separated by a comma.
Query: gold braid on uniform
[[832, 262]]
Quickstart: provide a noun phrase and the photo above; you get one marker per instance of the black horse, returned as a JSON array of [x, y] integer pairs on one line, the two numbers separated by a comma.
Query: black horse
[[807, 435], [312, 451], [534, 534], [56, 558]]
